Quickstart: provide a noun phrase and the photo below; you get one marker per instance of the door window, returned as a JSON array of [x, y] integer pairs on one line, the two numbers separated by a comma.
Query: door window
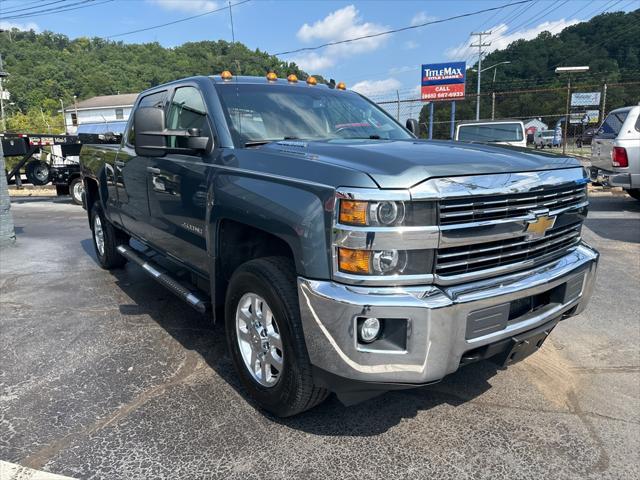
[[187, 110]]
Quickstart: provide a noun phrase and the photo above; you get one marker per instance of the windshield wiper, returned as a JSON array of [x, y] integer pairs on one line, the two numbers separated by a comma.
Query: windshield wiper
[[257, 143], [370, 137]]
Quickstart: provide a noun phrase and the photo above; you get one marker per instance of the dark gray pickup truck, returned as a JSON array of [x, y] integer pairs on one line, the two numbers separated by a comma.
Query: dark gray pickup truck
[[344, 254]]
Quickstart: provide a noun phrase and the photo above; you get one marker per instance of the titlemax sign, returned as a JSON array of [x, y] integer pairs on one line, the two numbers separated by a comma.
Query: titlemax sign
[[443, 81]]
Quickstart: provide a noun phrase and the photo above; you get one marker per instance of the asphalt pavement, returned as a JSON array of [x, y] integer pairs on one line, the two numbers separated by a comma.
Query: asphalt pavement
[[107, 375]]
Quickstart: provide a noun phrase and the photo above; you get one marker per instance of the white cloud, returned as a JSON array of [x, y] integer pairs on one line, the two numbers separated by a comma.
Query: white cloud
[[411, 44], [501, 38], [189, 6], [339, 25], [4, 25], [376, 87], [421, 17]]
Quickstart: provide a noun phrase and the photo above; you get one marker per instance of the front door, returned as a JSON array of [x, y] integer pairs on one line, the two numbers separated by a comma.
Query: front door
[[131, 176], [177, 185]]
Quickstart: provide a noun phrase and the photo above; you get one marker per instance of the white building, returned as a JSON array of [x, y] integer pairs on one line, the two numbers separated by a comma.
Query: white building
[[99, 110]]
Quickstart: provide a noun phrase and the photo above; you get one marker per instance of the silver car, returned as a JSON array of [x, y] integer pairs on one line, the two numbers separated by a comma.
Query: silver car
[[615, 151], [544, 138]]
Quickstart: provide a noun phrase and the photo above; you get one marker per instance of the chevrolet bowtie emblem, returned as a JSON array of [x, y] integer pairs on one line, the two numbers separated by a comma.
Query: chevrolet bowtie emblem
[[538, 227]]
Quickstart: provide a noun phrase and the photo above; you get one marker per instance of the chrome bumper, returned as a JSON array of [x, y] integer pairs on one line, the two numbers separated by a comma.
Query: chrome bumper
[[437, 319]]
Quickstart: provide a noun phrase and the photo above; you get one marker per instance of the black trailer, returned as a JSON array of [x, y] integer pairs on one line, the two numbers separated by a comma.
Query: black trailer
[[59, 170]]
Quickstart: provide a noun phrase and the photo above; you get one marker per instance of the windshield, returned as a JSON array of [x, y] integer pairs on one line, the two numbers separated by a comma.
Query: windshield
[[257, 113], [548, 133], [494, 132]]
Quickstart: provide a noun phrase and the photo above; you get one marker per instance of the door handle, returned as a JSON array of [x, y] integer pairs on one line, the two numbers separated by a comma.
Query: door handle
[[153, 170]]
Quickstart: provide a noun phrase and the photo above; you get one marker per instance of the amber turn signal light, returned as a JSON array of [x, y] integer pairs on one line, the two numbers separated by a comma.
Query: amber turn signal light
[[354, 261], [353, 213]]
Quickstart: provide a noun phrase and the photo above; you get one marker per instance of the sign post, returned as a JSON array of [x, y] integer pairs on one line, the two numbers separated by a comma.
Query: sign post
[[442, 82]]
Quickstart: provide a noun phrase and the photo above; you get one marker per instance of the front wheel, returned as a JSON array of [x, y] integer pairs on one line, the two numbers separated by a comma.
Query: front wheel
[[106, 239], [76, 190], [265, 339]]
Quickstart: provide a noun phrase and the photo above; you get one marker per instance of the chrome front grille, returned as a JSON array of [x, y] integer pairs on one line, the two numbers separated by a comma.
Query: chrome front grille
[[495, 207], [485, 256]]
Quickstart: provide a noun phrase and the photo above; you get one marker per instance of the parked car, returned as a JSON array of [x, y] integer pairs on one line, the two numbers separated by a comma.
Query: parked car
[[586, 137], [544, 138], [501, 132], [615, 151], [342, 253]]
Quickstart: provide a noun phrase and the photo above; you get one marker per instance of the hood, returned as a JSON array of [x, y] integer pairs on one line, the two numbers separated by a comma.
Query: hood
[[405, 163]]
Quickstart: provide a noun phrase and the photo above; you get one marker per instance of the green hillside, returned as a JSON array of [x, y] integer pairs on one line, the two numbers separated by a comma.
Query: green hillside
[[47, 67]]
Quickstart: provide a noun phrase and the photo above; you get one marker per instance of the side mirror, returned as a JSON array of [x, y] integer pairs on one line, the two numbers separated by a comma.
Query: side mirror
[[149, 126], [413, 126]]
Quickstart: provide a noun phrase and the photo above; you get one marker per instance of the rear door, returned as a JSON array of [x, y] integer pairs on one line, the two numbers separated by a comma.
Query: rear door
[[603, 141], [177, 185]]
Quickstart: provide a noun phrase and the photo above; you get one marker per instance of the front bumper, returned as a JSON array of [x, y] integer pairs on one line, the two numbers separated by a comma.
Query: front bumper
[[437, 319]]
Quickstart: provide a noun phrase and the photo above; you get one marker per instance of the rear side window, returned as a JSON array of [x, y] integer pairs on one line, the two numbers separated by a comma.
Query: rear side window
[[498, 132], [612, 124], [152, 100]]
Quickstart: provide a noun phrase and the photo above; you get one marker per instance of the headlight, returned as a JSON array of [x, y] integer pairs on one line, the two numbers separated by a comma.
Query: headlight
[[385, 213], [384, 262]]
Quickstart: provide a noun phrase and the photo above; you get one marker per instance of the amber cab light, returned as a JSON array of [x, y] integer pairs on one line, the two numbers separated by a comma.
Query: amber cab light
[[226, 75], [292, 78], [354, 261], [341, 86], [619, 157], [272, 77], [353, 212], [312, 80]]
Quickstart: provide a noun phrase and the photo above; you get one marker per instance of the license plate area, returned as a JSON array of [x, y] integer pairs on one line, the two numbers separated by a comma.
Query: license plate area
[[523, 345]]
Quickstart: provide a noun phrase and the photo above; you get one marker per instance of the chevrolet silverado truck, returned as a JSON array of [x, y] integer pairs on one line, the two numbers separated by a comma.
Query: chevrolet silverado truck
[[343, 253]]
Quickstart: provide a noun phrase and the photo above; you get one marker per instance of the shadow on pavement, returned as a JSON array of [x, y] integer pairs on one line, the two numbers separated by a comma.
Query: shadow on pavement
[[197, 333]]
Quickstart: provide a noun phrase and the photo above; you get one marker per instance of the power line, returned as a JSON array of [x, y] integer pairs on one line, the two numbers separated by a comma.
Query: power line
[[178, 21], [22, 9], [53, 11], [401, 29]]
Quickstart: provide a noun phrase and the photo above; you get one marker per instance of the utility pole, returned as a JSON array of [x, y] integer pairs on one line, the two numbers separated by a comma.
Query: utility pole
[[64, 118], [480, 44], [569, 71], [2, 75], [493, 105], [604, 101]]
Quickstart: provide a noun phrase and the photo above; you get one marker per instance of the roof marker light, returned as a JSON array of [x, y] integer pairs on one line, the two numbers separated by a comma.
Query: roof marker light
[[341, 86], [226, 75], [272, 77], [292, 78], [312, 81]]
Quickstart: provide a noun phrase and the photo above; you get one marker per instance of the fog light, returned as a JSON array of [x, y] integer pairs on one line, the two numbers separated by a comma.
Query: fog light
[[369, 330]]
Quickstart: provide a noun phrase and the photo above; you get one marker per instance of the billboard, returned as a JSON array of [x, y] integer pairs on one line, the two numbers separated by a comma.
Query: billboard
[[585, 99], [443, 81]]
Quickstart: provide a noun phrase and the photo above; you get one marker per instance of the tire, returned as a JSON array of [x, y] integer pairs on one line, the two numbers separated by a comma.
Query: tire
[[62, 190], [76, 190], [38, 172], [110, 237], [273, 280], [634, 192]]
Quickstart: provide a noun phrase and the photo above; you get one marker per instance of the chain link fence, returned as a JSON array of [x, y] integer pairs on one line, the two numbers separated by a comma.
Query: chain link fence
[[547, 105]]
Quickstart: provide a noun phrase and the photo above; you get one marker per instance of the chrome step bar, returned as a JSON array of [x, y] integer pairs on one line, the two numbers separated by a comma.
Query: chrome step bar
[[164, 278]]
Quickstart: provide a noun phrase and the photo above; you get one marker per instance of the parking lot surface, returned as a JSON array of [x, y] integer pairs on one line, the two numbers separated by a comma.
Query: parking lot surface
[[107, 375]]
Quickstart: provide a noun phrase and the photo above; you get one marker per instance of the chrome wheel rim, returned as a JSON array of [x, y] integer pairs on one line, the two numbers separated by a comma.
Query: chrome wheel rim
[[98, 235], [77, 191], [41, 172], [259, 340]]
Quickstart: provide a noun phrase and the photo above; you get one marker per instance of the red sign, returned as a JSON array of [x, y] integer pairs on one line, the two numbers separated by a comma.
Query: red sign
[[443, 92]]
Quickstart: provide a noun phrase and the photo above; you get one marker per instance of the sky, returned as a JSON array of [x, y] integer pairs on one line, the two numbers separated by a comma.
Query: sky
[[371, 66]]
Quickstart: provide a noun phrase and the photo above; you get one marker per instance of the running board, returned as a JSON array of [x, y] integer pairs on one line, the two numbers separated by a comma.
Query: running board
[[163, 277]]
